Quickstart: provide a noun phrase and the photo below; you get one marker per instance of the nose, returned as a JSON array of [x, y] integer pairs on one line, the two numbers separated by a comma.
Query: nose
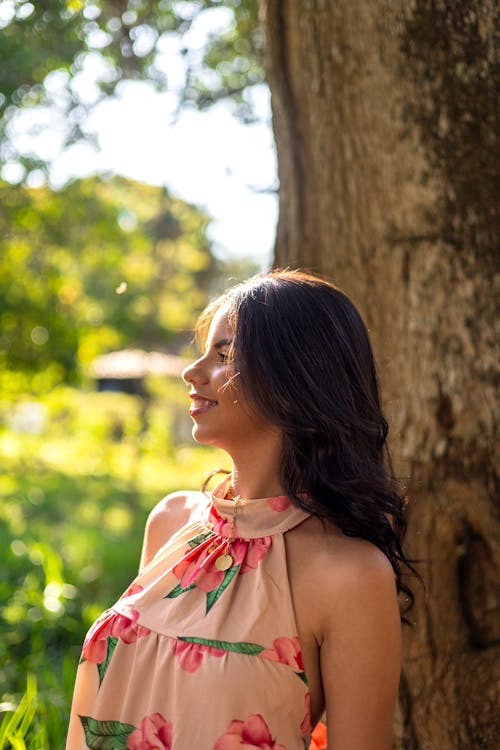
[[195, 373]]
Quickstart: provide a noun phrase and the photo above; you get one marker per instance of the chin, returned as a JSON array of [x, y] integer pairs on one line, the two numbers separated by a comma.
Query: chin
[[207, 437], [203, 437]]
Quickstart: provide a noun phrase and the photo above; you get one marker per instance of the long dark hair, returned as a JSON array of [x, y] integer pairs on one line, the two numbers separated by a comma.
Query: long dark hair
[[305, 362]]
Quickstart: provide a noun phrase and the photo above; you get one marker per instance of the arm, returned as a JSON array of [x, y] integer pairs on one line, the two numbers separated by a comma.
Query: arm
[[360, 654], [167, 517]]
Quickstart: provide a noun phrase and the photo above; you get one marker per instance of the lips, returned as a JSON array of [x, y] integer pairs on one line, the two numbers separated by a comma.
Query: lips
[[200, 405]]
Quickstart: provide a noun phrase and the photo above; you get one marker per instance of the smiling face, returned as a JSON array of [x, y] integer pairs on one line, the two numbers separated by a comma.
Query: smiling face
[[221, 414]]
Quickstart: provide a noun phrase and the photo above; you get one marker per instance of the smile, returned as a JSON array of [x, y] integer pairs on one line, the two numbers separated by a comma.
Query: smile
[[201, 405]]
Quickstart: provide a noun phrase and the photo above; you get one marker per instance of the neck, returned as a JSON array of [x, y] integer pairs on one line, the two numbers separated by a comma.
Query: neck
[[256, 472], [249, 487]]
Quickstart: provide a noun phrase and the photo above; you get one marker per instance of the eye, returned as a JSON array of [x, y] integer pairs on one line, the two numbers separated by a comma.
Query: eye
[[222, 356]]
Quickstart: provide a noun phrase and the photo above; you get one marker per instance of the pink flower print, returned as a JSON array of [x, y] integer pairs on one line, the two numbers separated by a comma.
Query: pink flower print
[[244, 735], [190, 655], [200, 568], [112, 624], [285, 651], [222, 526], [254, 552], [154, 734], [95, 645], [198, 565], [126, 628], [279, 503], [134, 588], [305, 726]]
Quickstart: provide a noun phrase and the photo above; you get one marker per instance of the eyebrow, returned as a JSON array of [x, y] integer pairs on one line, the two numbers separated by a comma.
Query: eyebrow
[[221, 343]]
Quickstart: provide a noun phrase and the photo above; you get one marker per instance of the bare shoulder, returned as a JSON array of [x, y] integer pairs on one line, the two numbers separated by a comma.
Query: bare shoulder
[[166, 518], [338, 569], [172, 506], [335, 555]]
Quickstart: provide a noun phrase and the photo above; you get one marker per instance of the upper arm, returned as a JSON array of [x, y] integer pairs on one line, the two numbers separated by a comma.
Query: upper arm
[[167, 517], [360, 654]]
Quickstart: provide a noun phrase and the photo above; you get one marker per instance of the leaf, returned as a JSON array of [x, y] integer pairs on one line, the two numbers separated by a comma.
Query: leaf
[[302, 676], [178, 591], [106, 735], [240, 647], [212, 596], [102, 667], [195, 541]]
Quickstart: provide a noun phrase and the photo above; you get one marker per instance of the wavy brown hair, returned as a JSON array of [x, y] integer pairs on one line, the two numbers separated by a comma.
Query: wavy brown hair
[[305, 362]]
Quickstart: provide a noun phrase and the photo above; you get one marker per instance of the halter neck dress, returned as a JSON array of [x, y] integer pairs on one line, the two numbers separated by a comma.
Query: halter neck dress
[[193, 657]]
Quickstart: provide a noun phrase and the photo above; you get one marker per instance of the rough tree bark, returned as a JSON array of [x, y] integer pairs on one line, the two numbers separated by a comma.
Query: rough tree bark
[[384, 118]]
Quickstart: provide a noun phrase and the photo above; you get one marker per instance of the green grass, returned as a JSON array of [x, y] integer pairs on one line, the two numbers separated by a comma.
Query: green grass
[[74, 499]]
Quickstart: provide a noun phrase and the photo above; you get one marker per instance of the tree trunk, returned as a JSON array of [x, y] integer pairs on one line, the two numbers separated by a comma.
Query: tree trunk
[[384, 122]]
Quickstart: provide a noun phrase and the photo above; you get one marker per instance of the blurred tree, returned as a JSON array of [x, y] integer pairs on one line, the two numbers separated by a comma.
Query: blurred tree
[[45, 46], [81, 272], [386, 123]]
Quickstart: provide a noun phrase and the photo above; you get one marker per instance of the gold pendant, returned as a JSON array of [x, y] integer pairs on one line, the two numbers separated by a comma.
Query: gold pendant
[[224, 562]]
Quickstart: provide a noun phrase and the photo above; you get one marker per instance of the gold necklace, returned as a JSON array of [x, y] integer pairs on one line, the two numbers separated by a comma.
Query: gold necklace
[[226, 561]]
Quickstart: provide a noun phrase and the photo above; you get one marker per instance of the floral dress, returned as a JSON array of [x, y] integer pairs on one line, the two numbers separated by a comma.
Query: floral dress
[[194, 656]]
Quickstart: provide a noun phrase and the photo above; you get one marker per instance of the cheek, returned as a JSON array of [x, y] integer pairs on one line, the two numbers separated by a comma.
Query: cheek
[[246, 413], [230, 398], [224, 385]]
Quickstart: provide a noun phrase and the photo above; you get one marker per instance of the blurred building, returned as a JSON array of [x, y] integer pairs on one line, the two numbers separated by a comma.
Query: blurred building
[[124, 371]]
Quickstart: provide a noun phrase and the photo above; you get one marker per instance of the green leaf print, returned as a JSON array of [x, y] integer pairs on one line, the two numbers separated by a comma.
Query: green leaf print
[[102, 667], [302, 676], [240, 647], [106, 735], [178, 590], [212, 596], [195, 541]]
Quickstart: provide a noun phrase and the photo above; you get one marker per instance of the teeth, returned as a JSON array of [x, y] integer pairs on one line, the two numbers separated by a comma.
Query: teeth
[[203, 402]]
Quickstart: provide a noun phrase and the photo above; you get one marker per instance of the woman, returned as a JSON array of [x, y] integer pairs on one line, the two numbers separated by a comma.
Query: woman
[[275, 597]]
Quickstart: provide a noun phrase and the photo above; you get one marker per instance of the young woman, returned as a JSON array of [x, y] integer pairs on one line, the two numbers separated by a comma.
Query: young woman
[[274, 597]]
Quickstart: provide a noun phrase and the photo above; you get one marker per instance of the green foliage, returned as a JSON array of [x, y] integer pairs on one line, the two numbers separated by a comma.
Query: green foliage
[[46, 36], [231, 63], [82, 272], [126, 37], [74, 499]]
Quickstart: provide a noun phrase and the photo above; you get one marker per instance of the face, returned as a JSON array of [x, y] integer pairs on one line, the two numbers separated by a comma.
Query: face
[[221, 415]]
